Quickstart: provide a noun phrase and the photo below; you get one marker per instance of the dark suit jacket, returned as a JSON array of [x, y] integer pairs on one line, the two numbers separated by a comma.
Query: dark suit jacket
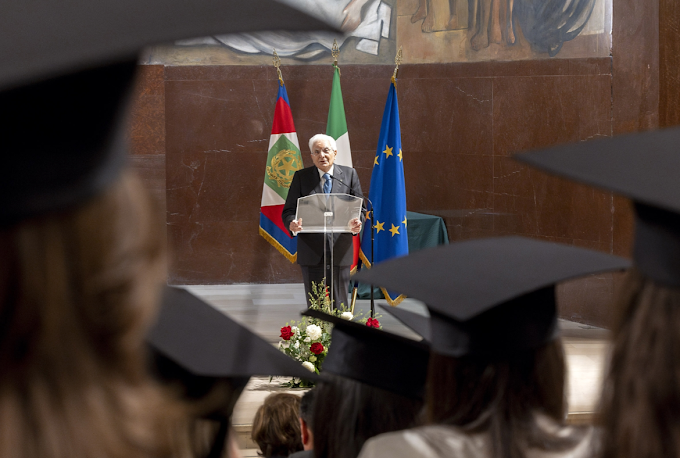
[[310, 246], [303, 453]]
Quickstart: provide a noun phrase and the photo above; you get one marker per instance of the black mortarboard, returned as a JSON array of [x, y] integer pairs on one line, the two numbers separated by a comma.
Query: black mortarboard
[[489, 296], [643, 167], [375, 357], [40, 39], [420, 324], [208, 343], [195, 345], [66, 69]]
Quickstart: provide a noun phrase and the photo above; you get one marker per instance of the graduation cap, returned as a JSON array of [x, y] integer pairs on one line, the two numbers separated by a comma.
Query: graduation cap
[[196, 344], [375, 357], [420, 324], [66, 69], [490, 296], [643, 167]]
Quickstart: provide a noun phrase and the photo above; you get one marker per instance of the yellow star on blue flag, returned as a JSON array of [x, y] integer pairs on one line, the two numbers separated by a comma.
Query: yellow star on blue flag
[[388, 194]]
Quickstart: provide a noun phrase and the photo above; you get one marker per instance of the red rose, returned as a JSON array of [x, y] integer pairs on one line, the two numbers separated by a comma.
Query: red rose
[[372, 322], [286, 333], [316, 348]]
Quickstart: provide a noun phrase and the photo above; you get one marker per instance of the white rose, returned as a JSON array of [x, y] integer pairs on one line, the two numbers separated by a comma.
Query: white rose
[[309, 366], [297, 344], [346, 316], [307, 339], [314, 332]]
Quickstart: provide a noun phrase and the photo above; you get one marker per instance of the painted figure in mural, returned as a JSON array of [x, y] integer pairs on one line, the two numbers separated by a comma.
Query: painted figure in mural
[[545, 24], [437, 15], [548, 25], [491, 21], [368, 20]]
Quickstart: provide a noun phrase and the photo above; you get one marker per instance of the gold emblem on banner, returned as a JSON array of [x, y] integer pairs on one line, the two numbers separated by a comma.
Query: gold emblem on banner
[[283, 166]]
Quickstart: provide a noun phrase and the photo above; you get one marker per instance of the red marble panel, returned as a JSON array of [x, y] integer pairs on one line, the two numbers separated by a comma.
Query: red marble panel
[[623, 227], [549, 206], [669, 63], [530, 113], [635, 65], [147, 113], [542, 67], [446, 116], [448, 182], [588, 300], [225, 252], [219, 116]]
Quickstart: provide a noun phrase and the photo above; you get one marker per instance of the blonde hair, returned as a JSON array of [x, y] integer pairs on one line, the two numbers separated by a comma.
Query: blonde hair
[[78, 291]]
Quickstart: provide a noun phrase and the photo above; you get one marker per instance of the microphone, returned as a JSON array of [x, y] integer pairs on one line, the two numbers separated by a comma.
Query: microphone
[[351, 191]]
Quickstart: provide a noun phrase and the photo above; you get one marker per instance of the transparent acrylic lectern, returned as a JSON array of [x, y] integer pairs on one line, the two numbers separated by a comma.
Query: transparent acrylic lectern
[[328, 214]]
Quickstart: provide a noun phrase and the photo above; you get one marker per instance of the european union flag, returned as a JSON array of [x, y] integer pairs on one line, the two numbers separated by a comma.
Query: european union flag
[[388, 195]]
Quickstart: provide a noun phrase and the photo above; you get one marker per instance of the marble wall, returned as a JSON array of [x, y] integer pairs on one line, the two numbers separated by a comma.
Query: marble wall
[[201, 134]]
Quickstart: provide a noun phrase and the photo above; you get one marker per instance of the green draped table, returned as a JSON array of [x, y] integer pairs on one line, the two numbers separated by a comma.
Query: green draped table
[[424, 231]]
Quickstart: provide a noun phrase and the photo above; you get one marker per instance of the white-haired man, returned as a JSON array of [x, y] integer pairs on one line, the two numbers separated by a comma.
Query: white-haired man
[[323, 177]]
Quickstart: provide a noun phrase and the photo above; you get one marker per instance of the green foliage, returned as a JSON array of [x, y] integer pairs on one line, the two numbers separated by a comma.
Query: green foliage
[[307, 331]]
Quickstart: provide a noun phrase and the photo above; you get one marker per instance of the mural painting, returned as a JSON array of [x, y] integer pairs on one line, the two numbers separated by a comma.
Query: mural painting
[[370, 38], [430, 31]]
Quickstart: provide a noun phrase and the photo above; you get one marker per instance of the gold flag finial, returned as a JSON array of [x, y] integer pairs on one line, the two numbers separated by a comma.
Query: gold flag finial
[[397, 61], [335, 52], [277, 63]]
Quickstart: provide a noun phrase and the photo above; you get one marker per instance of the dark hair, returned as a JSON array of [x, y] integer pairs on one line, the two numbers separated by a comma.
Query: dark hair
[[502, 397], [276, 427], [641, 398], [348, 413], [307, 408]]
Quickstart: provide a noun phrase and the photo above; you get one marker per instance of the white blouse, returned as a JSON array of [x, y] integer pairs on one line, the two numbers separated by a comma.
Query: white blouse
[[441, 441]]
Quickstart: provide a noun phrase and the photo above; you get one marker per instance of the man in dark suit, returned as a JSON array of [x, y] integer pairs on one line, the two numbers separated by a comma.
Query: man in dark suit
[[323, 177]]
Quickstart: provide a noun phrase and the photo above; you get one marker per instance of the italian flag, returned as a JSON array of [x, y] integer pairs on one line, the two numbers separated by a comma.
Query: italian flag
[[283, 160], [337, 128]]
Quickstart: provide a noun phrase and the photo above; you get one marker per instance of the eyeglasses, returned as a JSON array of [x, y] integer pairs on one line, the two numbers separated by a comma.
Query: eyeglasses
[[326, 150]]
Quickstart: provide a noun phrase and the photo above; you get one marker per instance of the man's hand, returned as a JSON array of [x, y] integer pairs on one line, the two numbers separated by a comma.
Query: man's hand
[[295, 226], [354, 225]]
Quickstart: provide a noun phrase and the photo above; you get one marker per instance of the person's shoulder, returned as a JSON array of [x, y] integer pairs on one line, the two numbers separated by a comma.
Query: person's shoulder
[[345, 171], [426, 441], [311, 170], [344, 168], [302, 454], [584, 440]]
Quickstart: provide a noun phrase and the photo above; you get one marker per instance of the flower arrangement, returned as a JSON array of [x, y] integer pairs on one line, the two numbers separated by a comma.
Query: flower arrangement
[[309, 339]]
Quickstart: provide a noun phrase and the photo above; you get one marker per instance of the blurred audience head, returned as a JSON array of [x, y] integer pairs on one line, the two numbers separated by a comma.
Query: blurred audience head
[[642, 389], [497, 364], [78, 290], [359, 396], [276, 426], [347, 413]]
